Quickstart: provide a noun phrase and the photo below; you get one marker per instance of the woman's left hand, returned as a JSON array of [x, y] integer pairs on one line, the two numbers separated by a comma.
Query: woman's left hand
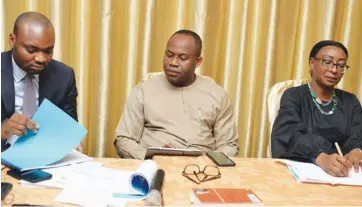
[[355, 159]]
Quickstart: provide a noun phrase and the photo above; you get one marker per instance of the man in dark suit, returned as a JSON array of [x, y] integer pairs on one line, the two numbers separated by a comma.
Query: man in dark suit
[[29, 75]]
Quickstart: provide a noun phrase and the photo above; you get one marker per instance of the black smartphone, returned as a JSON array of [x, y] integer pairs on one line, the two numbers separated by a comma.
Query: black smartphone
[[32, 176], [220, 159], [5, 189]]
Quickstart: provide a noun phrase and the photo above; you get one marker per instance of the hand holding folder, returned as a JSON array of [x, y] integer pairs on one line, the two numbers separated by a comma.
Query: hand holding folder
[[58, 136], [18, 124]]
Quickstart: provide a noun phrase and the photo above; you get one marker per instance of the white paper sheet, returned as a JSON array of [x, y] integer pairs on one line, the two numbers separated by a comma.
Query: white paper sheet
[[72, 158], [89, 197], [66, 174], [308, 172]]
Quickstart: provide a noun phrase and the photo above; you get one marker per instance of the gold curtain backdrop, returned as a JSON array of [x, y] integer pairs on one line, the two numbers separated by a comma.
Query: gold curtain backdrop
[[249, 45]]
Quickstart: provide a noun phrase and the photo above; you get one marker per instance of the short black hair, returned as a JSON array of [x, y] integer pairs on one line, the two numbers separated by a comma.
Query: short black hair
[[317, 47], [197, 38], [31, 16]]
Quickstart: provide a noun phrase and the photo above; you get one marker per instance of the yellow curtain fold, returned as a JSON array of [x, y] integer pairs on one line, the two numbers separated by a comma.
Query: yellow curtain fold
[[249, 45]]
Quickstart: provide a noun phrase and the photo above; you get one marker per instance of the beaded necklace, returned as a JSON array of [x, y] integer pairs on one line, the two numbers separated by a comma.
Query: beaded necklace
[[318, 102]]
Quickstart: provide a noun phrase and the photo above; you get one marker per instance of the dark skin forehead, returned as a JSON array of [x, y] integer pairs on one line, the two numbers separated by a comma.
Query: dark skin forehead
[[332, 52], [32, 18], [36, 35], [34, 29], [182, 44]]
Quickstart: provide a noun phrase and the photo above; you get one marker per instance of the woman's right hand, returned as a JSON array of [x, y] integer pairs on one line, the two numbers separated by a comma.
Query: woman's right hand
[[333, 164]]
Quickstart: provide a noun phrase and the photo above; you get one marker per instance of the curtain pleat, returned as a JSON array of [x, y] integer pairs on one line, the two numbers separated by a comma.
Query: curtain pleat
[[248, 46]]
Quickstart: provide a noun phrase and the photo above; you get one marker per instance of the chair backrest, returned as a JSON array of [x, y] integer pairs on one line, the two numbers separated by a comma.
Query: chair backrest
[[273, 101], [154, 74], [151, 75]]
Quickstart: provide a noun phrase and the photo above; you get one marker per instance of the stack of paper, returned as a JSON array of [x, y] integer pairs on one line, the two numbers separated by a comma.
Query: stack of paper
[[65, 174], [308, 172], [87, 184], [113, 187]]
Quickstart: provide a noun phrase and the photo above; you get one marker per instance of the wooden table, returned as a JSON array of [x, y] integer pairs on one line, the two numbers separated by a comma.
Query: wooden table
[[42, 196], [270, 180]]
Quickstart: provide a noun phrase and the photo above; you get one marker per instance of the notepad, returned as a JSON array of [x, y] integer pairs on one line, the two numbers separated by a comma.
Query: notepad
[[57, 136], [311, 173]]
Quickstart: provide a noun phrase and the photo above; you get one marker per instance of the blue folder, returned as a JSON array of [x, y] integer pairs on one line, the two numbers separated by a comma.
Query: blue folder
[[57, 136]]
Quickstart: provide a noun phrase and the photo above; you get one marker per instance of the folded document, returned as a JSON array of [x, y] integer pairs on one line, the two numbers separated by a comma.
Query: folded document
[[311, 173]]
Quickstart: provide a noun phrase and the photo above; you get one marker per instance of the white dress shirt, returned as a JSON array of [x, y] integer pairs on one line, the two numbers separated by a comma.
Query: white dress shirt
[[19, 84]]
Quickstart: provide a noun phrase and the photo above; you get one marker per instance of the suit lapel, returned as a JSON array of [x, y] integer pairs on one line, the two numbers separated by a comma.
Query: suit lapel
[[43, 84], [7, 83]]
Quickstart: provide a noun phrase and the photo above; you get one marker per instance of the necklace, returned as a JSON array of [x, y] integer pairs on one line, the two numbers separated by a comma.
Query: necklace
[[318, 102]]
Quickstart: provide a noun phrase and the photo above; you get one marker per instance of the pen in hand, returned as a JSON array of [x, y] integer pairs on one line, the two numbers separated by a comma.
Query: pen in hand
[[338, 149]]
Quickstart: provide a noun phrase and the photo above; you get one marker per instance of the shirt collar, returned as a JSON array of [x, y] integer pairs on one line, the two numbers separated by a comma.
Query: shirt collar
[[19, 73], [194, 84]]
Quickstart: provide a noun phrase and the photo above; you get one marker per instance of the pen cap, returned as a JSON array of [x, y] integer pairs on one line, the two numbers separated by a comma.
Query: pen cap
[[158, 181]]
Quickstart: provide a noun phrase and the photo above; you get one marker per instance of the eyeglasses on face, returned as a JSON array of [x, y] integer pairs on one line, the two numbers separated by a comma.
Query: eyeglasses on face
[[197, 175], [329, 65]]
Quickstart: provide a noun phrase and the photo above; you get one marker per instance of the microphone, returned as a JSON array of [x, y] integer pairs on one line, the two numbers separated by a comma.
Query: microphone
[[154, 198]]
